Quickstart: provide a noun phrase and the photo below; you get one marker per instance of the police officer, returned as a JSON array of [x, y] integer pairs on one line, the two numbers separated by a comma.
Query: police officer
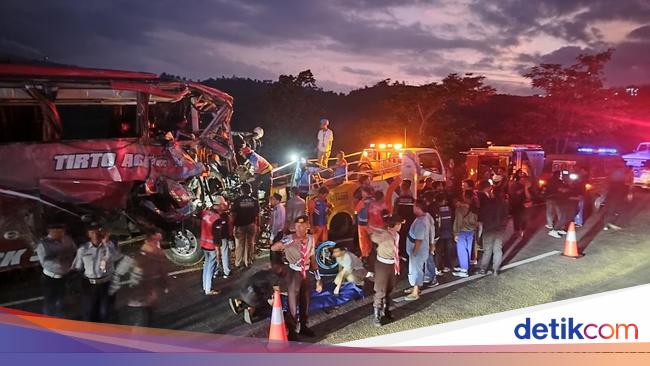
[[96, 260], [299, 251], [403, 207], [55, 252], [387, 266]]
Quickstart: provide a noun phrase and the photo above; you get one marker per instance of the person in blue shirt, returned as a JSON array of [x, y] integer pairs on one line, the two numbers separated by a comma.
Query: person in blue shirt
[[418, 246]]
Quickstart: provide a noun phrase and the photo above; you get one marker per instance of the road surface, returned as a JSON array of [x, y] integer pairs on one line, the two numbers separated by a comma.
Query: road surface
[[534, 273]]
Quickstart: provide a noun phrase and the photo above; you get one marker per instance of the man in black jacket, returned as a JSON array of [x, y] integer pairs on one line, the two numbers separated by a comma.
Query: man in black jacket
[[493, 219]]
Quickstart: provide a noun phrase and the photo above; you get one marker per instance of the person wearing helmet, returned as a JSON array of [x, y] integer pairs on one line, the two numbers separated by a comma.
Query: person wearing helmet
[[325, 138]]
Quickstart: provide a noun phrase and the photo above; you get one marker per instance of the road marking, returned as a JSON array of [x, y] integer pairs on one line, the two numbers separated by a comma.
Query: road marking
[[184, 271], [18, 302], [477, 276]]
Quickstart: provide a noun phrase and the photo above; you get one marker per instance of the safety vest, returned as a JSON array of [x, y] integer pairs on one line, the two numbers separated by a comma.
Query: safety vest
[[362, 214], [404, 207], [260, 164], [208, 219], [319, 216]]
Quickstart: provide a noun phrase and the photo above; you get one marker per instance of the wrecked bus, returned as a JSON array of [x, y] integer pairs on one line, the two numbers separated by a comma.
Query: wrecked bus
[[128, 149]]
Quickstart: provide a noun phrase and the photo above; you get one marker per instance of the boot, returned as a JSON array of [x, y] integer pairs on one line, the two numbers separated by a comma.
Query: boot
[[387, 314], [376, 318]]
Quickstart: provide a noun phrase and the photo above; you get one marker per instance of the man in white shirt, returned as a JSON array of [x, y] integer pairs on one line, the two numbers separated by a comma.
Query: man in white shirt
[[278, 218], [325, 139], [350, 268]]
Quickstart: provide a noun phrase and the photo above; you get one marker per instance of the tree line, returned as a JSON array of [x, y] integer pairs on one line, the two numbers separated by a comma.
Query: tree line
[[573, 108]]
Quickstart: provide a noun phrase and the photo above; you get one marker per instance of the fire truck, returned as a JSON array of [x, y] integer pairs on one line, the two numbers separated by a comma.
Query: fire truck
[[483, 162]]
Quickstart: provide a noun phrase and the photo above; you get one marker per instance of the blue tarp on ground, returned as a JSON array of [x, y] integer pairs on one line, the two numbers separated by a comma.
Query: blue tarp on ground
[[326, 299]]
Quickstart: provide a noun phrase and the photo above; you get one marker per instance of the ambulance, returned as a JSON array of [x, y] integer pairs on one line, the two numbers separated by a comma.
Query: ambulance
[[484, 161]]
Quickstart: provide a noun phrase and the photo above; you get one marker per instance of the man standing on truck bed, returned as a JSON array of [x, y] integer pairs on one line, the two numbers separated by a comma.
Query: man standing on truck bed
[[55, 253], [245, 216], [96, 260], [325, 139]]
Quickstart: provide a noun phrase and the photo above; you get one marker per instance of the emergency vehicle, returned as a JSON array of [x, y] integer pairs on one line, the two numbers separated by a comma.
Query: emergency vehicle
[[381, 162], [599, 164], [639, 162], [483, 162]]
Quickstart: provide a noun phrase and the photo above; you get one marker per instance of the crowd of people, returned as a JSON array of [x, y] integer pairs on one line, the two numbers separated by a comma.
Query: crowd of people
[[425, 231]]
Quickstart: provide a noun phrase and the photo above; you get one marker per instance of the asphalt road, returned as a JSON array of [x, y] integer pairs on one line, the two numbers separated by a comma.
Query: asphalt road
[[186, 308]]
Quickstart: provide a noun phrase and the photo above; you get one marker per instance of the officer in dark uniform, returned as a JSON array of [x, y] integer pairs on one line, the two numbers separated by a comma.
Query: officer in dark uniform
[[96, 260], [146, 280], [55, 252], [299, 252], [403, 207]]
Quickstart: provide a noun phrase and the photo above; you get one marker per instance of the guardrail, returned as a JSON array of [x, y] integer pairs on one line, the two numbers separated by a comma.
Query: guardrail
[[315, 179]]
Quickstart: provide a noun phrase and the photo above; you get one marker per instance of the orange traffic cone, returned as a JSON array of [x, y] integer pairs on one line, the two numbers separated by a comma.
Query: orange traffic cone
[[571, 243], [278, 332]]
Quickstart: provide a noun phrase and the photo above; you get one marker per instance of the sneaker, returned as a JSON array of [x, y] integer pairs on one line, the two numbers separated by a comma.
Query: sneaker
[[446, 269], [212, 293], [460, 274], [225, 277], [412, 297], [555, 234], [561, 232], [234, 306], [457, 269], [550, 227], [615, 227], [434, 283], [438, 272], [248, 317]]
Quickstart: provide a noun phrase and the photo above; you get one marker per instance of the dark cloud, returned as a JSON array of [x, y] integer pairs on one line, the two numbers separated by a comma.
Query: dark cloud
[[363, 72], [206, 38], [629, 63], [567, 19], [641, 33]]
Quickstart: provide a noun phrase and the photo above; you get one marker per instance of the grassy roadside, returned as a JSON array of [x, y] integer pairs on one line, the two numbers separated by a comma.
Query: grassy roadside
[[613, 260]]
